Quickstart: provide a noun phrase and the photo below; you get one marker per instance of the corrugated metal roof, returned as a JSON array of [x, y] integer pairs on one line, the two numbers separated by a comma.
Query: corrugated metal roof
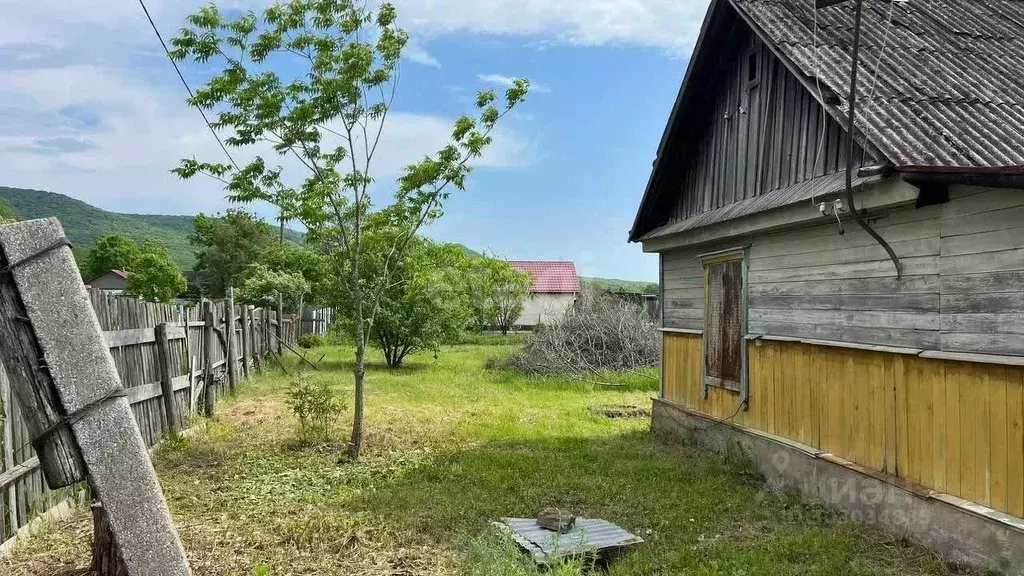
[[800, 192], [550, 277], [587, 535], [948, 93]]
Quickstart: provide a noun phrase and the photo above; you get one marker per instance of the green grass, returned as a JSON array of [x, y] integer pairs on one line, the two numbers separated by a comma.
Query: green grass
[[450, 447]]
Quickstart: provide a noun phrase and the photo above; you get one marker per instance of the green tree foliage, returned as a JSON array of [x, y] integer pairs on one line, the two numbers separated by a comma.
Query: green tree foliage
[[112, 252], [155, 277], [508, 290], [422, 307], [327, 120], [225, 246], [315, 268], [496, 291], [261, 285], [7, 212]]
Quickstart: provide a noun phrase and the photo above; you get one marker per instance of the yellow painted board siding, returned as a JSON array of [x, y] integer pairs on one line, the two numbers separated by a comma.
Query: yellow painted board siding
[[997, 480], [1015, 442], [952, 426], [901, 415], [954, 451]]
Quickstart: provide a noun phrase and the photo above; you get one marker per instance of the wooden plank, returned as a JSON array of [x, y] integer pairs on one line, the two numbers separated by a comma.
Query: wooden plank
[[922, 265], [1008, 323], [998, 261], [139, 394], [992, 344], [129, 337], [952, 376], [983, 201], [927, 284], [17, 472], [974, 303], [869, 253], [856, 318], [887, 303], [906, 338], [1015, 442], [983, 283], [997, 381], [984, 242]]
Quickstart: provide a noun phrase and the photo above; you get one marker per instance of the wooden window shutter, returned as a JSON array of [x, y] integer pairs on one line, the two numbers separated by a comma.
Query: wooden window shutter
[[723, 325]]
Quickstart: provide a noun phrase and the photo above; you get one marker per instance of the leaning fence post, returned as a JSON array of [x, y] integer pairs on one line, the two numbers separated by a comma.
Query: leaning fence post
[[163, 352], [209, 394], [246, 346], [54, 350], [229, 333], [280, 325]]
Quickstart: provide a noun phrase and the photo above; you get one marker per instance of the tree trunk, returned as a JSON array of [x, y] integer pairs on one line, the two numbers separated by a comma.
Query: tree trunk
[[106, 556], [355, 444]]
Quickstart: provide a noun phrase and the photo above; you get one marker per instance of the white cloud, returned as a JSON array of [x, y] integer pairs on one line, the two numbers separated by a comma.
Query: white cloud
[[507, 81], [670, 25], [415, 52]]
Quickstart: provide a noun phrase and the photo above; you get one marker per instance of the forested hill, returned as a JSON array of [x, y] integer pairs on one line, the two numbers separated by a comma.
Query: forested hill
[[85, 223]]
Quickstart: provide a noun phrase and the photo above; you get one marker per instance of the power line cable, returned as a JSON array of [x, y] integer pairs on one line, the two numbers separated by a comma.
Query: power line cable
[[881, 53], [184, 83]]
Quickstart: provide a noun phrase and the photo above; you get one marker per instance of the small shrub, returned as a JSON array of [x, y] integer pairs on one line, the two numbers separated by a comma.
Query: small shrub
[[316, 406], [311, 340]]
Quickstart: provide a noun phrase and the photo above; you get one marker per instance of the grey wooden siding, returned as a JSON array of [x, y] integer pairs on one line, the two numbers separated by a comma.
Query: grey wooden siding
[[982, 271], [763, 131], [963, 288]]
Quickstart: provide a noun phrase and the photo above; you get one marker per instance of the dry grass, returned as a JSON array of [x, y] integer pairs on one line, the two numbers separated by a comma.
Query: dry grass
[[451, 446]]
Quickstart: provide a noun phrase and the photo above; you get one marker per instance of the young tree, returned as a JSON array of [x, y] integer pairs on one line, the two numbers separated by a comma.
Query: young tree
[[112, 252], [327, 119], [226, 245], [509, 289], [261, 285], [423, 306]]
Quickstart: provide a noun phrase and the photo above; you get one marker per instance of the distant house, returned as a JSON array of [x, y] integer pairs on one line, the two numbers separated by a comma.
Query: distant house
[[555, 288], [113, 282]]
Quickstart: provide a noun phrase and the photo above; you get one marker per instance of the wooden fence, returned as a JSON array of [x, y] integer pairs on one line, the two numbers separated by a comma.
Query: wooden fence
[[130, 327]]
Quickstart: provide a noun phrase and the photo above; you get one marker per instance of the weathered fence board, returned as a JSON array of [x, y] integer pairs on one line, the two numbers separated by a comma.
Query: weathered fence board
[[130, 331]]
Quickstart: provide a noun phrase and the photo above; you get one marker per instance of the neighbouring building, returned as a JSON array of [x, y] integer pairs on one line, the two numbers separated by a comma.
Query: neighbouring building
[[554, 290], [113, 282], [786, 328]]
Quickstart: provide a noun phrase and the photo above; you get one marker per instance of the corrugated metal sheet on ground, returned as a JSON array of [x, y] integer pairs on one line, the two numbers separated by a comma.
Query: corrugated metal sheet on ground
[[806, 190], [588, 535], [947, 90]]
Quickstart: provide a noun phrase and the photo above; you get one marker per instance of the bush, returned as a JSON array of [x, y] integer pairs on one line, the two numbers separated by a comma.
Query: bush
[[597, 335], [316, 405], [311, 340]]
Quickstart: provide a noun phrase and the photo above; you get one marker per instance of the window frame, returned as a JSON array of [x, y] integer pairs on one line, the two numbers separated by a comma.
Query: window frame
[[742, 255]]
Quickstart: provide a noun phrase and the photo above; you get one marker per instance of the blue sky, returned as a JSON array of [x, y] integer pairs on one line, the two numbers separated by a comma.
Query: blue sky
[[91, 109]]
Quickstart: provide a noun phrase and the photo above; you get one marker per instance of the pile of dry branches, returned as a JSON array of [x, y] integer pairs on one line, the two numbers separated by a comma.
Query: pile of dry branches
[[598, 334]]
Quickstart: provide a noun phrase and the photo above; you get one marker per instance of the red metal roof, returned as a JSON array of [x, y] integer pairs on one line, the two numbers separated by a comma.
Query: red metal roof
[[550, 277]]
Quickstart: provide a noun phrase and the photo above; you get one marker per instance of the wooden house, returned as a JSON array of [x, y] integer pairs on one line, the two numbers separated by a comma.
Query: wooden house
[[113, 282], [785, 321]]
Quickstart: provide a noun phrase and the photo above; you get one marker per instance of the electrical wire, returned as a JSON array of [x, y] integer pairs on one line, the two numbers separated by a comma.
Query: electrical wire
[[881, 52], [184, 83], [850, 130]]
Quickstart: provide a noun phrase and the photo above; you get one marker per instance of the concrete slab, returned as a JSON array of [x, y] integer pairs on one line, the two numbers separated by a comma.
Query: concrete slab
[[588, 535], [83, 371]]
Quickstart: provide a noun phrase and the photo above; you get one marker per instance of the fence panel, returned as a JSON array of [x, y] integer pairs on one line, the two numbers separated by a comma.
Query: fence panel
[[128, 326]]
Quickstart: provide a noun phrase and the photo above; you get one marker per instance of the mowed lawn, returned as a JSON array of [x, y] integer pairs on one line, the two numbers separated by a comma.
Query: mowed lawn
[[452, 446]]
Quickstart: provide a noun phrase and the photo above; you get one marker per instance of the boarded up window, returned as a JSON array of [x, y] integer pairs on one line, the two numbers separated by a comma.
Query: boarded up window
[[723, 324]]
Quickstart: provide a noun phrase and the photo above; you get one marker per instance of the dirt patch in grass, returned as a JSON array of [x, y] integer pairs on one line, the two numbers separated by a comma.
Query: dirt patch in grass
[[451, 446]]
